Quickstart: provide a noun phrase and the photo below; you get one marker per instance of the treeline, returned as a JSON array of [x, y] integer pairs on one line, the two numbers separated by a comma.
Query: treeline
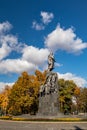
[[22, 97]]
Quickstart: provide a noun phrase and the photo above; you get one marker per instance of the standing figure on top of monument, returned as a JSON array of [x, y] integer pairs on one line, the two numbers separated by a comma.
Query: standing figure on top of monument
[[51, 61]]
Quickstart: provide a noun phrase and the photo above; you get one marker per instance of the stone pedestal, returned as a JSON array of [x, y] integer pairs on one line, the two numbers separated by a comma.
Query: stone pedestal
[[48, 96], [48, 105]]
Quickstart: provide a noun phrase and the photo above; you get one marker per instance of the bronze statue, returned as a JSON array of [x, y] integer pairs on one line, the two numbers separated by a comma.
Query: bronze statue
[[51, 61], [51, 78]]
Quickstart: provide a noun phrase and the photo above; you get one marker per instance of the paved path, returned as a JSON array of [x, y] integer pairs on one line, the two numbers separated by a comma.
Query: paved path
[[21, 125]]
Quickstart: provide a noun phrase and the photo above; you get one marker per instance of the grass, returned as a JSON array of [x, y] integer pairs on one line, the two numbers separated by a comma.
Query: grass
[[43, 119], [6, 117]]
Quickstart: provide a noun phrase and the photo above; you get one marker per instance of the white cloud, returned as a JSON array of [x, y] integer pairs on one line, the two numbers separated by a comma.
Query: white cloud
[[4, 27], [32, 58], [64, 40], [4, 51], [9, 39], [81, 82], [37, 26], [35, 55], [16, 66], [2, 85], [8, 42], [46, 17]]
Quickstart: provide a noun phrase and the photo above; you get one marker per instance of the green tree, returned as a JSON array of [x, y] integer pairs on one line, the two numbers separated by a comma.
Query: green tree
[[66, 91]]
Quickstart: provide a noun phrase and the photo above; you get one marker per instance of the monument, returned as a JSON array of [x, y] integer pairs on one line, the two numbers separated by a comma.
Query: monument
[[48, 93]]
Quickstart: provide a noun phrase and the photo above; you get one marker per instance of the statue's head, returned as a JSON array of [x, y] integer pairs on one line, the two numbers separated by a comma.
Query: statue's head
[[51, 53]]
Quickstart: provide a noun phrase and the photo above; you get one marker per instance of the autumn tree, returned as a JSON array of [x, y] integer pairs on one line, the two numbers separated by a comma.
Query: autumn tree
[[66, 91], [82, 100], [24, 95], [41, 76], [4, 101], [75, 99]]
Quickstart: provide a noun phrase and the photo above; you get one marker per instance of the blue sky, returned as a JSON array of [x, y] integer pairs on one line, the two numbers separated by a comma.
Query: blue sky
[[30, 29]]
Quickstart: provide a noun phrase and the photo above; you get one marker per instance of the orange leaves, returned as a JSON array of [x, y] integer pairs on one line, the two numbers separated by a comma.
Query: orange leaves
[[4, 98], [40, 76], [24, 93], [77, 91]]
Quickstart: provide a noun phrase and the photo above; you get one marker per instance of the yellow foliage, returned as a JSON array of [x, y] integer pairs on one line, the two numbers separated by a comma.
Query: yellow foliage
[[4, 98]]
